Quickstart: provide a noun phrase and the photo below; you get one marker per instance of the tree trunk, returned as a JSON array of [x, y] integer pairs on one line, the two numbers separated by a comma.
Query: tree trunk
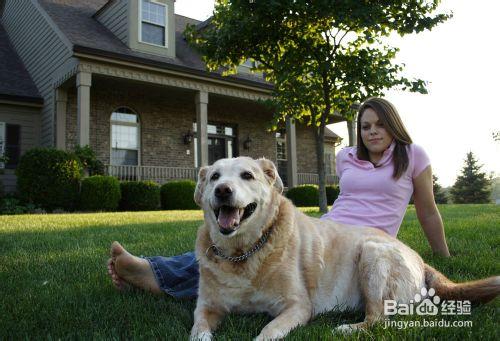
[[320, 153], [351, 129]]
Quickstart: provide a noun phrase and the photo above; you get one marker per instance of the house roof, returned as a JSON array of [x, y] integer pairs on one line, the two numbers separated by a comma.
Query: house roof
[[15, 81], [330, 134], [75, 20]]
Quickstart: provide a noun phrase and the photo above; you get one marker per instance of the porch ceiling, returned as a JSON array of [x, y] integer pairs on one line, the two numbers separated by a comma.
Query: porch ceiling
[[131, 85]]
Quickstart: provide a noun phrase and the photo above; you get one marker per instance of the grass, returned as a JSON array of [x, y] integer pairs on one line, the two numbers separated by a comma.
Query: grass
[[53, 282]]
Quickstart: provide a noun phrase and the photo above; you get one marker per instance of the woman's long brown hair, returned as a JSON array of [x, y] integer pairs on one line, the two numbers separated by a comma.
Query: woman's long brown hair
[[389, 116]]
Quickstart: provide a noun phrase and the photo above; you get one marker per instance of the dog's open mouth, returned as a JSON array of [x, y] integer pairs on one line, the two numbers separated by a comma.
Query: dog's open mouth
[[230, 218]]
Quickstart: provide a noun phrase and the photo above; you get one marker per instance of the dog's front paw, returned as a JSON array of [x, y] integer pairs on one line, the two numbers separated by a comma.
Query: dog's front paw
[[200, 336], [266, 335]]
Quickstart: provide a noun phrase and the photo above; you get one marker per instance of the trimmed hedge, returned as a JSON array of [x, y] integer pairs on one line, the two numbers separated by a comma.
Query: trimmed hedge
[[49, 178], [332, 193], [139, 196], [304, 195], [178, 195], [100, 193], [308, 195]]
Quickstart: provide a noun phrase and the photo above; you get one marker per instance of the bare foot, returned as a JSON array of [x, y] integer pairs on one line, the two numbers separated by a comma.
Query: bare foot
[[128, 270]]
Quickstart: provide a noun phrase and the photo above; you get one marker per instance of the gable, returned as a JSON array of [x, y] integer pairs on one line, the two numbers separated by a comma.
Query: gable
[[146, 26]]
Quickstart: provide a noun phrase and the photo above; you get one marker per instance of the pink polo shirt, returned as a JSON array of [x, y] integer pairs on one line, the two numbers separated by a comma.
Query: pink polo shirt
[[370, 196]]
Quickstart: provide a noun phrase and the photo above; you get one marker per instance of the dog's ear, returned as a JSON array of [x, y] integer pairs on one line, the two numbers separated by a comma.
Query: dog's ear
[[200, 185], [271, 173]]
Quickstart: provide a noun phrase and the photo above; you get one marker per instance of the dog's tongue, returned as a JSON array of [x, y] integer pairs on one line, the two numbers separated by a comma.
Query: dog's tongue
[[229, 217]]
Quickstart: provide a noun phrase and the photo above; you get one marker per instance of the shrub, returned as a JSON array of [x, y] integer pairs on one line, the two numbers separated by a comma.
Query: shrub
[[304, 195], [2, 191], [49, 178], [178, 195], [139, 196], [12, 205], [100, 193], [89, 160], [332, 192]]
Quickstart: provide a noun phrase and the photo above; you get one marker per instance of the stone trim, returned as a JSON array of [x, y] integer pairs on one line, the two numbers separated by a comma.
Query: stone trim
[[169, 79]]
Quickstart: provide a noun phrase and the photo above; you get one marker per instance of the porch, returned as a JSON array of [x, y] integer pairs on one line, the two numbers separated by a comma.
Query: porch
[[162, 129]]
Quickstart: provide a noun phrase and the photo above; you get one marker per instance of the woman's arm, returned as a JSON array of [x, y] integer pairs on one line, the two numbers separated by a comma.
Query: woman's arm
[[427, 212]]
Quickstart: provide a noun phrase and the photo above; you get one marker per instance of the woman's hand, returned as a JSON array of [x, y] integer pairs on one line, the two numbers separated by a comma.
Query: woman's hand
[[427, 212]]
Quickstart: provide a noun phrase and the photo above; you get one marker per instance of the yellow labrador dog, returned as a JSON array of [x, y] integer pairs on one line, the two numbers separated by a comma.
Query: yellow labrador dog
[[258, 253]]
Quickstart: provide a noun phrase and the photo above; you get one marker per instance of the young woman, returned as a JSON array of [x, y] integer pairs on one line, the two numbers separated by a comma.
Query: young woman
[[377, 180]]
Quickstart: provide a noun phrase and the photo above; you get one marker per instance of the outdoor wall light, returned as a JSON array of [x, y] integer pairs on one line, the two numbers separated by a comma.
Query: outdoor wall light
[[247, 143], [188, 137]]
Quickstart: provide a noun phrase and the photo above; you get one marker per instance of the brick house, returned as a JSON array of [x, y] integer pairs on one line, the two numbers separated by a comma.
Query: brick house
[[118, 75]]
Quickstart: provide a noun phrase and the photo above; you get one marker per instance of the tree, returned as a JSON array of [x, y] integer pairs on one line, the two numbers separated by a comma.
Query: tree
[[472, 186], [323, 56], [439, 195]]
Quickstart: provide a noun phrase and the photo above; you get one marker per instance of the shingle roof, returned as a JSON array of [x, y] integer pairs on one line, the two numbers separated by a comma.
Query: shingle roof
[[329, 133], [75, 19], [15, 82]]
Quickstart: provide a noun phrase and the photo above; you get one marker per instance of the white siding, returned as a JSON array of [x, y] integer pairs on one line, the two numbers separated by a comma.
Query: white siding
[[42, 51], [114, 17], [29, 120]]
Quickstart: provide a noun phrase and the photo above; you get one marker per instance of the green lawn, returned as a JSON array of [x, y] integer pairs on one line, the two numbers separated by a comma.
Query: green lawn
[[54, 285]]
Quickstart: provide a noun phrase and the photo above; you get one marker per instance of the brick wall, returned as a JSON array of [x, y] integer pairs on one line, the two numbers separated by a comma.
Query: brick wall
[[306, 150]]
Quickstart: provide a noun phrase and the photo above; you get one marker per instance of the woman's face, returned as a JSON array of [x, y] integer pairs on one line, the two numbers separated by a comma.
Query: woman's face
[[374, 135]]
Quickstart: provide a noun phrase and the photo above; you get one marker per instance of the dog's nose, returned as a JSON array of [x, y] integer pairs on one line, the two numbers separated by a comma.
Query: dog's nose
[[223, 191]]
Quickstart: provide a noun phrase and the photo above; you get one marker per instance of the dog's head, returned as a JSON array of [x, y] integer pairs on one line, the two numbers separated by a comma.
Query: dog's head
[[234, 192]]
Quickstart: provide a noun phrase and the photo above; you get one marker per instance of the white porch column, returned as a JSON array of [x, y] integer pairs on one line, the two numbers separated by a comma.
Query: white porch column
[[83, 83], [351, 129], [291, 153], [61, 105], [201, 101]]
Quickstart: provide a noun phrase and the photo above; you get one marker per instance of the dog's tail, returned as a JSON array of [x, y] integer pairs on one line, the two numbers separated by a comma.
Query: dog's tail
[[480, 291]]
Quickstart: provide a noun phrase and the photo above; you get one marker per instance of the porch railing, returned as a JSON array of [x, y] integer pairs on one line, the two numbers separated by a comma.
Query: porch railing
[[313, 178], [164, 174], [154, 173]]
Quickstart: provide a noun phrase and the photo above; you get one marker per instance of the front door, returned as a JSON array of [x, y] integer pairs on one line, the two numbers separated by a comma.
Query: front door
[[216, 149], [221, 140]]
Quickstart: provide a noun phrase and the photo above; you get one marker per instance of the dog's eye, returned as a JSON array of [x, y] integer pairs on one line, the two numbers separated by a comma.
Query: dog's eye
[[247, 176], [215, 176]]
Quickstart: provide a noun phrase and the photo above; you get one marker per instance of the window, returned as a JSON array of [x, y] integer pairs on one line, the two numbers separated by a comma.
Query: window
[[153, 23], [125, 141], [10, 144]]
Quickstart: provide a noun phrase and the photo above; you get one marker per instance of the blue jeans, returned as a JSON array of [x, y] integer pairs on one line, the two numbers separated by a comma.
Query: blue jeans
[[178, 275]]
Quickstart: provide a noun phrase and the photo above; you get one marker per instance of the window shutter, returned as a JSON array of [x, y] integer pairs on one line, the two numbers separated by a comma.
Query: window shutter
[[12, 144], [2, 143]]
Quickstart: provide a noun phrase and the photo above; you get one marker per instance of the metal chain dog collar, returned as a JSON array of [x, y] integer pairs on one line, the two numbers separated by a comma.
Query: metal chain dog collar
[[236, 259]]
